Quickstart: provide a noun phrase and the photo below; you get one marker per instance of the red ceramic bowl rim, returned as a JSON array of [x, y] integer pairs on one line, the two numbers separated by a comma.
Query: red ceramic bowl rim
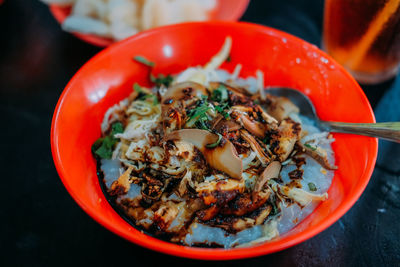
[[215, 253], [59, 15]]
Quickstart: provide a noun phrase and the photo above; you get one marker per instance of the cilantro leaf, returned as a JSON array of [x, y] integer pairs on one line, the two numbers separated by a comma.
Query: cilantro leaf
[[202, 123], [221, 109], [143, 95], [117, 128], [155, 100], [97, 144], [161, 79], [138, 89], [103, 147], [198, 114], [106, 148], [220, 94]]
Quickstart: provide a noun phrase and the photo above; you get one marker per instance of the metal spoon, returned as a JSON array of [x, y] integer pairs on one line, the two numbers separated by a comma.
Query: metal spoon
[[385, 130]]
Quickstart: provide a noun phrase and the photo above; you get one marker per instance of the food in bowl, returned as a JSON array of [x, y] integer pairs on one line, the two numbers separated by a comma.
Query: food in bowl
[[119, 19], [286, 61], [205, 158]]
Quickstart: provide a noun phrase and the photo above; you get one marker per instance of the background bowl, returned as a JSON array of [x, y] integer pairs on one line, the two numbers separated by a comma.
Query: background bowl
[[286, 61], [227, 10]]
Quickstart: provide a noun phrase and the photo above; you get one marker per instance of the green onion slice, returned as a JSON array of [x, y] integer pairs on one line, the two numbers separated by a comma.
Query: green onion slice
[[313, 148], [144, 61], [213, 145]]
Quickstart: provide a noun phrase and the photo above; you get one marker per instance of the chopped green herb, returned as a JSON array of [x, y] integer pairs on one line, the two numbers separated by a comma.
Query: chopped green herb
[[202, 114], [266, 139], [105, 150], [198, 111], [97, 144], [152, 96], [198, 114], [204, 99], [138, 89], [221, 110], [216, 143], [155, 100], [143, 95], [220, 94], [144, 61], [229, 58], [313, 148], [257, 101], [312, 187], [275, 209], [117, 128], [203, 123], [161, 79], [103, 147]]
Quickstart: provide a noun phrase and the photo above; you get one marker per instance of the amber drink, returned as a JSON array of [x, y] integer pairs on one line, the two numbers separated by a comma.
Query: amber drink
[[364, 36]]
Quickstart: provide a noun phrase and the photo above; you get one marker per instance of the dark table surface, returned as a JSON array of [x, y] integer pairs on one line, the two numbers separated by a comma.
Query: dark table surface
[[41, 225]]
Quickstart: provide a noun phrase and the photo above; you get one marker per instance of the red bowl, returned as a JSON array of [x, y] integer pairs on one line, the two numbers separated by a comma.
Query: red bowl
[[286, 61], [226, 10]]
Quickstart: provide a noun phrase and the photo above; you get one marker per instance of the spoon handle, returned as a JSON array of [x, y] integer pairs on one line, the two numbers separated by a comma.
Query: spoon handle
[[386, 130]]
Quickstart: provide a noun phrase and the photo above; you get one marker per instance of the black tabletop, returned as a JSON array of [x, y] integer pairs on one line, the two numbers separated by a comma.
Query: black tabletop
[[41, 225]]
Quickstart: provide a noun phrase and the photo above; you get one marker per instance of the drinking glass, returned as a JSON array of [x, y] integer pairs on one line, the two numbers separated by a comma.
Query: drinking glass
[[364, 36]]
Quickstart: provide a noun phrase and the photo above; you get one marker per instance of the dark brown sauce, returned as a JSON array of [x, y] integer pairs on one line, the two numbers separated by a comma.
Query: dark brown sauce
[[153, 231]]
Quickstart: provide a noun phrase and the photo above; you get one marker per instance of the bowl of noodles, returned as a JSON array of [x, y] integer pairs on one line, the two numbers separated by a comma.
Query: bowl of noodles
[[102, 23], [172, 141]]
